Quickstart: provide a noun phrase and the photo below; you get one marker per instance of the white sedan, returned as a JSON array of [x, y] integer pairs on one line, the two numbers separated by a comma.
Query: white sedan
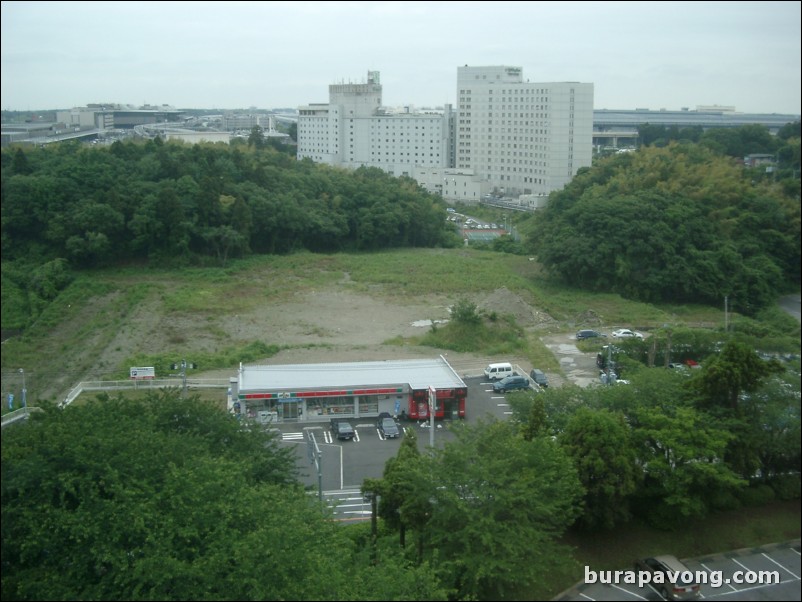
[[626, 333]]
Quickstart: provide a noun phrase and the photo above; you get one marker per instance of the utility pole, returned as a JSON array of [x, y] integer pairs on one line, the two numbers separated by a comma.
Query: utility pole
[[609, 362], [183, 366], [726, 314], [24, 390]]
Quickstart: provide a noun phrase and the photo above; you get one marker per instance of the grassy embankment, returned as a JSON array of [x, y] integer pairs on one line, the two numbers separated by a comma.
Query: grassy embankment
[[77, 336]]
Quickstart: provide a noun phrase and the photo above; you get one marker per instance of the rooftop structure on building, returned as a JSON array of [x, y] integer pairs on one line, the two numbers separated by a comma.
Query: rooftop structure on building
[[354, 129]]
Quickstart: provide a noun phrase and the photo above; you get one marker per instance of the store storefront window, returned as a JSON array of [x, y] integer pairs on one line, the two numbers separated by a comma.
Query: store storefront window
[[330, 406]]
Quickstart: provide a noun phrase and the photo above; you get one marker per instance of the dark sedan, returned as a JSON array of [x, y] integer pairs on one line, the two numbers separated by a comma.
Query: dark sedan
[[589, 334], [511, 383], [387, 426]]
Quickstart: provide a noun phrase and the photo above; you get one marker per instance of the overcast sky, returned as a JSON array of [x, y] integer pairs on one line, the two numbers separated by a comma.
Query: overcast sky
[[231, 55]]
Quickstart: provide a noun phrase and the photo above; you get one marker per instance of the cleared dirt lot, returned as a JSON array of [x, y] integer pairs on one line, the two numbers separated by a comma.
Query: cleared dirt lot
[[340, 326], [331, 324]]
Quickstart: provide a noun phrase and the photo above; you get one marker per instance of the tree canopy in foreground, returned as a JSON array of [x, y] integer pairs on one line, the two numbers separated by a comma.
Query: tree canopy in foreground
[[169, 499]]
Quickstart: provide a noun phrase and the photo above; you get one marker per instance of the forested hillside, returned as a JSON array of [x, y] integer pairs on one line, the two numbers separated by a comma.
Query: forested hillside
[[675, 224], [174, 203], [71, 207]]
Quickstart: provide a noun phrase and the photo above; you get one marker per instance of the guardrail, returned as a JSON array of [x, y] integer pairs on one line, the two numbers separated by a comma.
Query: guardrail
[[18, 415], [153, 383]]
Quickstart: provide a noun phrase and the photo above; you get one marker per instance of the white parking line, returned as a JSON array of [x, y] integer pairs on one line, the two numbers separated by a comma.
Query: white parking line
[[639, 597], [781, 566], [356, 435], [292, 436], [740, 564], [709, 570]]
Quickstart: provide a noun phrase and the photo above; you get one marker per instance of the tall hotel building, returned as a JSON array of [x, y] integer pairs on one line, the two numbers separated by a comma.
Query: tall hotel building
[[355, 130], [508, 136], [521, 137]]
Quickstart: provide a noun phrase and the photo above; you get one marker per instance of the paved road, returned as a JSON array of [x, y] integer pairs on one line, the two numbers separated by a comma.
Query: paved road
[[791, 304]]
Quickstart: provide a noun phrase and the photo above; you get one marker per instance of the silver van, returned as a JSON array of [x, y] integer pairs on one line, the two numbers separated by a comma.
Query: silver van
[[498, 371]]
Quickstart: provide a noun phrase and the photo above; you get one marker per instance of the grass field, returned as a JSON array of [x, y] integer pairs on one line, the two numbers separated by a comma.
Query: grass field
[[109, 320]]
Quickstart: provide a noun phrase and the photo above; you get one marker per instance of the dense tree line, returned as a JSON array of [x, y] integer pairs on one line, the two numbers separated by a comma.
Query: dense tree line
[[735, 142], [676, 445], [676, 224], [174, 204]]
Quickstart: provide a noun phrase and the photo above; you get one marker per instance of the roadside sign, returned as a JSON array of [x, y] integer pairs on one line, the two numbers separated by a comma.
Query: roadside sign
[[140, 373]]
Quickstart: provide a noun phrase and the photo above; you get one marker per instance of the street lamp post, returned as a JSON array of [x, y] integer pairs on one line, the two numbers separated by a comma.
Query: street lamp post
[[432, 408]]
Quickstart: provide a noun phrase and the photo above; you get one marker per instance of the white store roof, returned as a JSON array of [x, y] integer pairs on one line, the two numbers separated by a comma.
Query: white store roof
[[418, 374]]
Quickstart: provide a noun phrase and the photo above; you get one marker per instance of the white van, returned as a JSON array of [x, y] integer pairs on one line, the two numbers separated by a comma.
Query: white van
[[498, 371]]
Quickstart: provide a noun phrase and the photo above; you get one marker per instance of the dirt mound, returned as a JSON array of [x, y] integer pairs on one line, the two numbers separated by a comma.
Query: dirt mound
[[503, 301]]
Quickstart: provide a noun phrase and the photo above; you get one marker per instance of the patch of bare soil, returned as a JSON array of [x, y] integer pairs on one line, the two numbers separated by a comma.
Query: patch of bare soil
[[340, 325], [329, 325], [502, 301]]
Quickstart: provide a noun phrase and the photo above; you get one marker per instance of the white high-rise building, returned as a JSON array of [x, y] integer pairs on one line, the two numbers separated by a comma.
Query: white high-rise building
[[355, 130], [508, 136], [522, 138]]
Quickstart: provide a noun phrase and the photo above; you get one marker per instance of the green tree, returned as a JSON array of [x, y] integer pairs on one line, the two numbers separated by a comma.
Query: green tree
[[726, 376], [500, 505], [599, 442], [20, 164], [674, 224], [464, 312], [256, 138], [170, 499], [681, 452], [405, 490]]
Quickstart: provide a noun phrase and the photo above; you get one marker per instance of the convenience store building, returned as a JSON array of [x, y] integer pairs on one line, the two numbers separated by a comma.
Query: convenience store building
[[319, 392]]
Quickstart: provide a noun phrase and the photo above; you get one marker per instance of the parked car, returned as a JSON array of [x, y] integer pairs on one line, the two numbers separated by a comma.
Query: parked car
[[670, 566], [387, 426], [342, 429], [498, 371], [510, 383], [626, 333], [589, 334], [539, 377]]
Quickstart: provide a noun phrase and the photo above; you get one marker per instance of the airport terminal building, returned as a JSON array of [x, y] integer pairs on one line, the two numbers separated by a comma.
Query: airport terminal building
[[320, 392]]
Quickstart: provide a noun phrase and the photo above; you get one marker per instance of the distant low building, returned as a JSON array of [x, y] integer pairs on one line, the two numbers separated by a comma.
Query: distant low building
[[196, 137], [619, 128], [758, 159]]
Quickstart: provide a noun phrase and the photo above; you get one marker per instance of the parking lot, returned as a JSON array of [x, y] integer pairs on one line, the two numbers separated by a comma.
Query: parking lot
[[346, 464], [768, 573], [771, 572]]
